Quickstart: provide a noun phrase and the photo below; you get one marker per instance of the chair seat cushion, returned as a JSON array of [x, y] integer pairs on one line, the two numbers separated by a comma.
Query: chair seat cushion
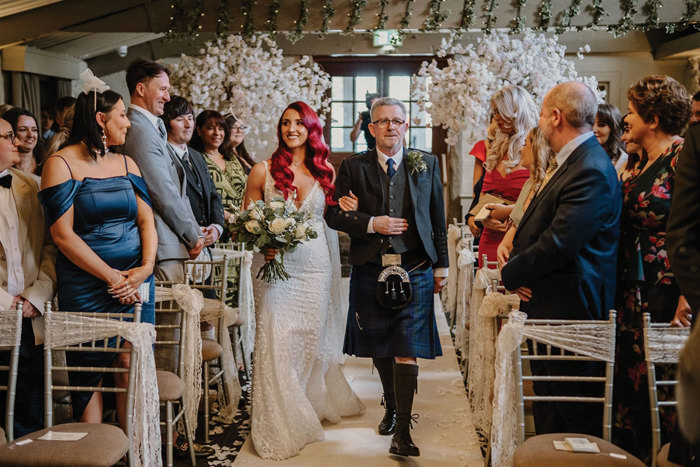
[[170, 386], [211, 350], [662, 457], [539, 451], [104, 445], [3, 439]]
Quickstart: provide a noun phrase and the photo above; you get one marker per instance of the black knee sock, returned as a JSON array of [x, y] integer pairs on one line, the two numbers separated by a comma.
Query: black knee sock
[[405, 386], [385, 368]]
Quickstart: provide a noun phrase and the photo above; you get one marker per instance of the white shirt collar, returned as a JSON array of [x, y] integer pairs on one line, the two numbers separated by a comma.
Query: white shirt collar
[[178, 150], [398, 157], [570, 147], [4, 172], [151, 118]]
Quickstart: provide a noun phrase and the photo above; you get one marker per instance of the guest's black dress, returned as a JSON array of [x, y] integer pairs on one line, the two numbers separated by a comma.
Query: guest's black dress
[[105, 212]]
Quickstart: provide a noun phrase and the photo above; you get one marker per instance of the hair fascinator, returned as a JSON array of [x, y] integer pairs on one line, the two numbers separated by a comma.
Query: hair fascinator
[[90, 82]]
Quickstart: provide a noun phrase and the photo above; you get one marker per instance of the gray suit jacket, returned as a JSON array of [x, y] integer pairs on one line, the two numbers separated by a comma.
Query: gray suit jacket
[[165, 177]]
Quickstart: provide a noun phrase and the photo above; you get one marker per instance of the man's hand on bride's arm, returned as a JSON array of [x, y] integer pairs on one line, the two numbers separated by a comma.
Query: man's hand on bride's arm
[[386, 225], [348, 202]]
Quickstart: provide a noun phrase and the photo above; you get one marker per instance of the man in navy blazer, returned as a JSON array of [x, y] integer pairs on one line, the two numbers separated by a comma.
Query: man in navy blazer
[[564, 254]]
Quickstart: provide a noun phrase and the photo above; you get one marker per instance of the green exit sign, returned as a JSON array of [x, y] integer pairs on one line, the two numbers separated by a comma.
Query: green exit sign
[[387, 37]]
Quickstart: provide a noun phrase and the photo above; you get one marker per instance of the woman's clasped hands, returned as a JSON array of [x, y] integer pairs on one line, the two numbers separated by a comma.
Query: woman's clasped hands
[[125, 286]]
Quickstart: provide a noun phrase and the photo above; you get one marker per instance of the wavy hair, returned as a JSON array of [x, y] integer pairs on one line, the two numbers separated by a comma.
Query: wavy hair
[[317, 153], [609, 115], [664, 97], [542, 156], [516, 107]]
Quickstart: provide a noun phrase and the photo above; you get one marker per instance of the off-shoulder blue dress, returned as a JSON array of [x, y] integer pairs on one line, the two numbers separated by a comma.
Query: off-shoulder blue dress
[[104, 216]]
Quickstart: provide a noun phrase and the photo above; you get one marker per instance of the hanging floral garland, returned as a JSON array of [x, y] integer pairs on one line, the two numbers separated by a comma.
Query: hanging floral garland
[[383, 16], [326, 14], [435, 16], [272, 13], [468, 16], [300, 23], [599, 12], [246, 11], [357, 6], [406, 20], [248, 76], [691, 8], [545, 15], [223, 23], [629, 9], [519, 21], [459, 94], [573, 10]]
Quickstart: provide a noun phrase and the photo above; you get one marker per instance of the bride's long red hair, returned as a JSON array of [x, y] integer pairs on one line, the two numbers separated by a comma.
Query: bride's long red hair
[[317, 153]]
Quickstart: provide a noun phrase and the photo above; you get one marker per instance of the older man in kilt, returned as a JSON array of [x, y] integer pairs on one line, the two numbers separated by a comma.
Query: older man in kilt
[[398, 217]]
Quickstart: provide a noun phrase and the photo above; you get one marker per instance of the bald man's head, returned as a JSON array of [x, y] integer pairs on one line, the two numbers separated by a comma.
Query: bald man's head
[[576, 102]]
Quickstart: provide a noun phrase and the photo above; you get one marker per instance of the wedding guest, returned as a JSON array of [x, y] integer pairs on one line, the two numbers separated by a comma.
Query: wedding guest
[[479, 151], [659, 108], [226, 170], [62, 104], [515, 114], [695, 108], [683, 240], [59, 139], [363, 121], [608, 131], [4, 108], [98, 211], [48, 116], [27, 131], [563, 258], [27, 270], [536, 157], [235, 146], [635, 153]]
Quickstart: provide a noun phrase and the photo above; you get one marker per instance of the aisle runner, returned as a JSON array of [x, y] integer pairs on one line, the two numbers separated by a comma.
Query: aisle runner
[[444, 431]]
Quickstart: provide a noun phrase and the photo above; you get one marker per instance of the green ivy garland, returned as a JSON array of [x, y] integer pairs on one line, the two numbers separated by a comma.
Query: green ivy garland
[[357, 6], [249, 25], [598, 13], [573, 10], [300, 23], [383, 17], [468, 16], [691, 8], [544, 11], [223, 23], [178, 11], [407, 14], [272, 13], [435, 16], [326, 13], [490, 18], [519, 21]]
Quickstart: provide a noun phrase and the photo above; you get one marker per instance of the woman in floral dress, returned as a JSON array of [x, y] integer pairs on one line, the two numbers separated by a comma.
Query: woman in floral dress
[[227, 173], [658, 111]]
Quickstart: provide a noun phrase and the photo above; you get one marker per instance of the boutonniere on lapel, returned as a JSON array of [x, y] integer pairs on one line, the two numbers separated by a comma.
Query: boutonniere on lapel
[[415, 162]]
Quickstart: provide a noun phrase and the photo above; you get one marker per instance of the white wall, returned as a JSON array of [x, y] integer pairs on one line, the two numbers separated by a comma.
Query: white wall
[[117, 83]]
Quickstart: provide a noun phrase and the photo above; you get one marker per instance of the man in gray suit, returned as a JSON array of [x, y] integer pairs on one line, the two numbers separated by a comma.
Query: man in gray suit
[[179, 235]]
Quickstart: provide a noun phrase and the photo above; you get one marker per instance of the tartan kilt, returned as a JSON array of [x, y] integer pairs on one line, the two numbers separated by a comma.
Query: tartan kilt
[[374, 331]]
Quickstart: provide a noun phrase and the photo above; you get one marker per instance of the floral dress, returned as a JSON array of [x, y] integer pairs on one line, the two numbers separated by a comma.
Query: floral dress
[[230, 184], [645, 283]]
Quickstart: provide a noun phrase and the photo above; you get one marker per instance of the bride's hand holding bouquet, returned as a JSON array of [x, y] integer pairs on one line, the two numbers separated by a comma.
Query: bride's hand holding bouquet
[[273, 229]]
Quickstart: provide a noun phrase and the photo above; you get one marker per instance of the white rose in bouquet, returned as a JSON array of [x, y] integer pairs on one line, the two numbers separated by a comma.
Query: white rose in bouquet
[[291, 222], [277, 226], [252, 226], [300, 232], [255, 213], [277, 205]]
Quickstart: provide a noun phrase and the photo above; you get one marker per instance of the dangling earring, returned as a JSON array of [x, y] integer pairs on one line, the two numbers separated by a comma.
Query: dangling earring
[[104, 142]]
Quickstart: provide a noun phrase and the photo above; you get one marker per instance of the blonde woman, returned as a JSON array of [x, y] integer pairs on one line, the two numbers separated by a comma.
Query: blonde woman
[[536, 156], [515, 114]]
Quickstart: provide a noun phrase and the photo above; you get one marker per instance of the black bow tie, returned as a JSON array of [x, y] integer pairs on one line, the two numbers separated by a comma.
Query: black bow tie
[[6, 181]]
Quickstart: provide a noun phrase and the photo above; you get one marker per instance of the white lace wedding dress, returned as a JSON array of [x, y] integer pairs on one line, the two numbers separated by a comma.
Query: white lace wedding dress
[[297, 380]]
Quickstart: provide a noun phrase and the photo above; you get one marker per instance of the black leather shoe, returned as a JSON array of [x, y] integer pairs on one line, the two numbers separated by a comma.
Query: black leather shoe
[[388, 423], [402, 444], [182, 449]]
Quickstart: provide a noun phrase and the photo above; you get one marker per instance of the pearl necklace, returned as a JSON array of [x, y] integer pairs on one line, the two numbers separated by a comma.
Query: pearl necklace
[[297, 164]]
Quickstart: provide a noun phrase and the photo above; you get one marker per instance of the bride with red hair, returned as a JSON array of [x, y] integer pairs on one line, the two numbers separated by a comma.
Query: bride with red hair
[[297, 380]]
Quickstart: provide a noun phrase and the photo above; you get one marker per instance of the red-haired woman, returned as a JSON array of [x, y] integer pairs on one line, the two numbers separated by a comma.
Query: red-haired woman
[[297, 380]]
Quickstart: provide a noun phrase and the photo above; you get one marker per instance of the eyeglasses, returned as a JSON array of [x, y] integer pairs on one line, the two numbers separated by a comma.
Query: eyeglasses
[[240, 129], [9, 136], [385, 123]]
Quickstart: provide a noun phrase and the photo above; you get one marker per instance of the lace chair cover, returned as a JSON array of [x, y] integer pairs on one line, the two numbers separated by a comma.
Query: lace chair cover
[[191, 301], [67, 329], [664, 344], [594, 340], [246, 300], [449, 300], [10, 327], [465, 279], [482, 343]]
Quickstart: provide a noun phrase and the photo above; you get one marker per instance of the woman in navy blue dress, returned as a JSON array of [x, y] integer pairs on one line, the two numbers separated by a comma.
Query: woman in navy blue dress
[[97, 207]]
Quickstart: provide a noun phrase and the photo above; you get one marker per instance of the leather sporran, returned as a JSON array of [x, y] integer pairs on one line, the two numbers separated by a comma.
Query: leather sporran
[[394, 288]]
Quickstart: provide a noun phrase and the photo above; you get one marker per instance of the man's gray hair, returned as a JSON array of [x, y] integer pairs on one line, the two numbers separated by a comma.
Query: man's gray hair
[[577, 102], [386, 101]]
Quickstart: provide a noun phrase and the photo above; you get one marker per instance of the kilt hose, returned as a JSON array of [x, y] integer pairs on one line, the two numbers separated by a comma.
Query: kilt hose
[[374, 331]]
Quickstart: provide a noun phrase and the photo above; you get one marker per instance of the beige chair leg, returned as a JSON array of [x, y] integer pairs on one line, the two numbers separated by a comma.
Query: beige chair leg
[[169, 433], [205, 378], [190, 441]]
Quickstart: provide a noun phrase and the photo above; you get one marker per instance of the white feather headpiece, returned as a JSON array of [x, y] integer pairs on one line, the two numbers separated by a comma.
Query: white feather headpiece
[[90, 82]]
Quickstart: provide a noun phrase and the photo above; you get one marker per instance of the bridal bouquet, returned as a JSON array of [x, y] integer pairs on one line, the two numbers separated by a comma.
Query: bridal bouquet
[[278, 225]]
